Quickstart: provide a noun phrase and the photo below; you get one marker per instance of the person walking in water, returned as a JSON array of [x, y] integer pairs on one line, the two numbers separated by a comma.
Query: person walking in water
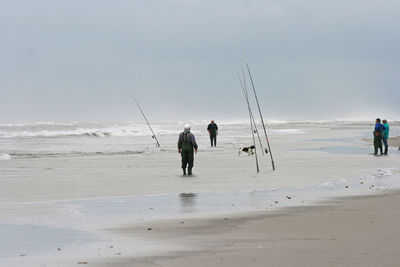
[[186, 147], [378, 132], [385, 136], [213, 132]]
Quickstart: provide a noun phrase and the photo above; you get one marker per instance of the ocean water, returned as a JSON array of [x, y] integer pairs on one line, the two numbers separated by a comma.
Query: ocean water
[[47, 139]]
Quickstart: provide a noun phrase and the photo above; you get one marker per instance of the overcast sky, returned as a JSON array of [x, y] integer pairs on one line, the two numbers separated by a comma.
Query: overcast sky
[[81, 60]]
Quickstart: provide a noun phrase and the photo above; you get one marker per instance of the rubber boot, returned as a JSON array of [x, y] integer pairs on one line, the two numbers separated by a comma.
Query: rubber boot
[[184, 171], [189, 171]]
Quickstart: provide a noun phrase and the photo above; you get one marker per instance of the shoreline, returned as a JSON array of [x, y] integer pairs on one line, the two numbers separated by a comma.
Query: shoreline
[[340, 232]]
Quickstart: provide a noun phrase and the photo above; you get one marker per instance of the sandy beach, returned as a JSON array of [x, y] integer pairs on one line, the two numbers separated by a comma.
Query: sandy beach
[[360, 231], [103, 195]]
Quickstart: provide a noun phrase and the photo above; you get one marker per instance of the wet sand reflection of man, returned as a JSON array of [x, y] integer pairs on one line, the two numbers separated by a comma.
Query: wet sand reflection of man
[[188, 202]]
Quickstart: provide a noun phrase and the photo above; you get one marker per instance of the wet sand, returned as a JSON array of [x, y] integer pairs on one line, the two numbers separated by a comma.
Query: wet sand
[[394, 141], [361, 231]]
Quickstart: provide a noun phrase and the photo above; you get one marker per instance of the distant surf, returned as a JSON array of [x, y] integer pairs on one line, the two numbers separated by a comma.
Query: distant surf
[[72, 153], [75, 130], [126, 129], [5, 156]]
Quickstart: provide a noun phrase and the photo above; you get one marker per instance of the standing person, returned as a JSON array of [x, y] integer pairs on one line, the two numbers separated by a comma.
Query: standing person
[[378, 131], [385, 136], [213, 131], [186, 146]]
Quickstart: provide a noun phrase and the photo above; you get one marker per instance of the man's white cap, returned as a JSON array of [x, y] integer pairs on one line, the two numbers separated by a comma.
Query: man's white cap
[[186, 127]]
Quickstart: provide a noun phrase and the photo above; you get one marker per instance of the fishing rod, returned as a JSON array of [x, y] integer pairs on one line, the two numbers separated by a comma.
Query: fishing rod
[[148, 124], [262, 120], [251, 113], [251, 123]]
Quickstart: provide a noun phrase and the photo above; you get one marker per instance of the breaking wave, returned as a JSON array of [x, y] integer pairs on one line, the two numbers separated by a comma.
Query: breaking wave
[[74, 129], [126, 129], [5, 156], [38, 123], [81, 133], [72, 153]]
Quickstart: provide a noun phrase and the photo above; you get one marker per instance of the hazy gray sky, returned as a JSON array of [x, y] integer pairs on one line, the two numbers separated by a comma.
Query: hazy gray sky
[[80, 60]]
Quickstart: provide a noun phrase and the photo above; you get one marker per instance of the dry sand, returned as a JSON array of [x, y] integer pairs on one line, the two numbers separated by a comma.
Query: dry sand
[[357, 231]]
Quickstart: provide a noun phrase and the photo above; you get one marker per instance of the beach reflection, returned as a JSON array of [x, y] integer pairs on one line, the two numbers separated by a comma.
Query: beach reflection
[[187, 202]]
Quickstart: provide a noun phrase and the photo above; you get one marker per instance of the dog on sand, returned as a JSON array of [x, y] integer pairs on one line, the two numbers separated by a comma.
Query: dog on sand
[[249, 150]]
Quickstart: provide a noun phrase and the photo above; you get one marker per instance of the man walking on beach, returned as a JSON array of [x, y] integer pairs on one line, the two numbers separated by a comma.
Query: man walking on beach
[[186, 146], [385, 136], [378, 132], [213, 131]]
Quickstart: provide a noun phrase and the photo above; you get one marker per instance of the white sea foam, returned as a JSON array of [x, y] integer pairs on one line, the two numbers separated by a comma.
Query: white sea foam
[[5, 156], [38, 123], [76, 132], [384, 172], [288, 131], [99, 130], [327, 184]]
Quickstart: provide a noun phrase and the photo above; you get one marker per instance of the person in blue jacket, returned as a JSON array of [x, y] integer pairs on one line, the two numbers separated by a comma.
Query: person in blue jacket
[[385, 136], [378, 133]]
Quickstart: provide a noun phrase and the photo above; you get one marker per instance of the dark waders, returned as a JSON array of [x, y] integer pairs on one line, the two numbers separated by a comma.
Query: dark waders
[[213, 139], [385, 143], [187, 155], [377, 143]]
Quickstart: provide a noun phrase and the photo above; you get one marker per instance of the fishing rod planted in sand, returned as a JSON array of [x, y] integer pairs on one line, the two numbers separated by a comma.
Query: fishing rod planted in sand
[[148, 124], [262, 120], [251, 119], [243, 84]]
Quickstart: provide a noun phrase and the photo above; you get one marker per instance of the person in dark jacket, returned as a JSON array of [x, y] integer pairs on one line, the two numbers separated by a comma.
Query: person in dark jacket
[[213, 131], [378, 133], [186, 147]]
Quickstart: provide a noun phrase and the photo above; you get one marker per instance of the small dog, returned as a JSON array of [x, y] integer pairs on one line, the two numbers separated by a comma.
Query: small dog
[[249, 150]]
